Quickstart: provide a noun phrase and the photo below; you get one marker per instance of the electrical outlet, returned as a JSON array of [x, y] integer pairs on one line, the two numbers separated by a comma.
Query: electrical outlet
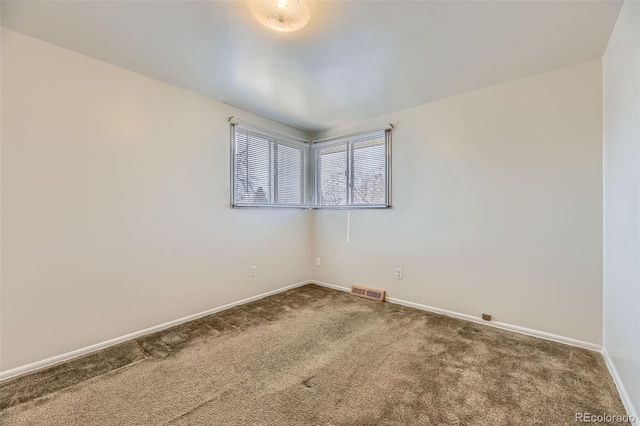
[[317, 261], [253, 271], [398, 273]]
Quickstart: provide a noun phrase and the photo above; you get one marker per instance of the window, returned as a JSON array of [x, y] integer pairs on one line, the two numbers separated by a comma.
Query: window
[[267, 170], [271, 170], [354, 171]]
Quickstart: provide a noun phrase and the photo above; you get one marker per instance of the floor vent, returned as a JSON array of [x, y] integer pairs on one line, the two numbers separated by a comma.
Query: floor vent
[[368, 293]]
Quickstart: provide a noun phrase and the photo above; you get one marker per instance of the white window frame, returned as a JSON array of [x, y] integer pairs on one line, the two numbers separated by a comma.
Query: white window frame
[[349, 141], [277, 139]]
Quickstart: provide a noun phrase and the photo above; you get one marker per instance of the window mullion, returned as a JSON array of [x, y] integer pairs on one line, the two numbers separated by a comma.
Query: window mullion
[[303, 158], [350, 173], [317, 173], [248, 185], [275, 173]]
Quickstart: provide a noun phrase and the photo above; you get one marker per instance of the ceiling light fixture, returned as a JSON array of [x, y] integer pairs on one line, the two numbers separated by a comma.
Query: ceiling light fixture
[[282, 15]]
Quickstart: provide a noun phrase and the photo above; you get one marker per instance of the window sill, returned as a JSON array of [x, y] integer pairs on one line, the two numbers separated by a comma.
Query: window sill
[[349, 207]]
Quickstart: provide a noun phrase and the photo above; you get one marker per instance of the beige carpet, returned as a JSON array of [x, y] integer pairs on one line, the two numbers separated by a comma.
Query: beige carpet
[[314, 356]]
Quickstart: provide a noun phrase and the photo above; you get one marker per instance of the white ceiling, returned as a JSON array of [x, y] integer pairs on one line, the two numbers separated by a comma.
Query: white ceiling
[[355, 59]]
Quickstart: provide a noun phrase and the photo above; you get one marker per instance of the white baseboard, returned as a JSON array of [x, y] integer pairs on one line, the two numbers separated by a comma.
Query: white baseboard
[[96, 347], [496, 324], [624, 396], [83, 351]]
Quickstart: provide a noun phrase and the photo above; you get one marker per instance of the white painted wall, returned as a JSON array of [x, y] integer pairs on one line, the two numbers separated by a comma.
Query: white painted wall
[[114, 209], [621, 74], [497, 207], [114, 190]]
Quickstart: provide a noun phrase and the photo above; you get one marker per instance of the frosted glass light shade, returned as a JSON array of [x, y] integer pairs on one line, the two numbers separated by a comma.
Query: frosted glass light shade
[[281, 15]]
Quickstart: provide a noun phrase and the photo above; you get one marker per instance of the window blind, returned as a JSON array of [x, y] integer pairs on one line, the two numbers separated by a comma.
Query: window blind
[[353, 171], [267, 169]]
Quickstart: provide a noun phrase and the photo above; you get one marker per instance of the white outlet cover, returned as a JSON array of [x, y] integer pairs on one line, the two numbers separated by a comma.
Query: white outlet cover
[[399, 273]]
